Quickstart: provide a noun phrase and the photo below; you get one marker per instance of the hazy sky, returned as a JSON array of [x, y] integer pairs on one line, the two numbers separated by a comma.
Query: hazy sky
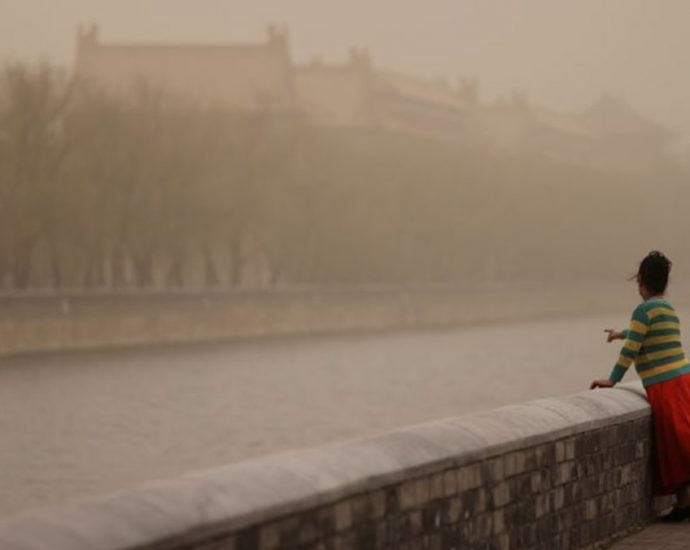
[[563, 53]]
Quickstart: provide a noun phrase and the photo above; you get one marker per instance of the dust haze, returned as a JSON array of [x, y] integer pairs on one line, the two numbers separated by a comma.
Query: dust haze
[[175, 171], [234, 145]]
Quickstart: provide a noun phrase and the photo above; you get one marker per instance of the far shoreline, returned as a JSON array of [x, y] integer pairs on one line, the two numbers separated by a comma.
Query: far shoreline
[[35, 323]]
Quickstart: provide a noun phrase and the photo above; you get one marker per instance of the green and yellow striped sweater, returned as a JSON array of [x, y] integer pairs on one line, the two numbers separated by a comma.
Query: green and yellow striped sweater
[[653, 343]]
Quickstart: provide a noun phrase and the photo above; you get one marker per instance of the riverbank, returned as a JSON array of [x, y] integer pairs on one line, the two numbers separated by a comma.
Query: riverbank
[[47, 323]]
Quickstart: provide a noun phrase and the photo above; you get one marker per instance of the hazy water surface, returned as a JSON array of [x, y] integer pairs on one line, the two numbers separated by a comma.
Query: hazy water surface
[[81, 424]]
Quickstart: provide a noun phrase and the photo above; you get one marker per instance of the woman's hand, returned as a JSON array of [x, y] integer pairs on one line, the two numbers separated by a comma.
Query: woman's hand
[[613, 334], [603, 383]]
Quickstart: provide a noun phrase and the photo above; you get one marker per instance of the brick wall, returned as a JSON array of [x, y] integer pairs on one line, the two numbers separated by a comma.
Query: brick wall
[[555, 473]]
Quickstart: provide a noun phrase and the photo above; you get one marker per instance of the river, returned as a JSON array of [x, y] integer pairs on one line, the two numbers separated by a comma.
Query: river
[[80, 424]]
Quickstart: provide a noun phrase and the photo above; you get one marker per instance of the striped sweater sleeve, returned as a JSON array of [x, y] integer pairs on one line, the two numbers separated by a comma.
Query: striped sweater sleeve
[[634, 336]]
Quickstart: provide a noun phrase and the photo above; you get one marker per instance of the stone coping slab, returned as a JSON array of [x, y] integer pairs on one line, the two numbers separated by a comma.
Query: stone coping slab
[[226, 499]]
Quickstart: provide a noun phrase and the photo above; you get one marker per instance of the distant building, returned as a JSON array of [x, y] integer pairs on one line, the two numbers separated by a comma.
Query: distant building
[[607, 135], [425, 106], [234, 76], [262, 76], [336, 94]]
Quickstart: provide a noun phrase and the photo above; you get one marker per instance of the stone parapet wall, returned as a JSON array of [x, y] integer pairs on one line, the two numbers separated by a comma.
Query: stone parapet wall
[[53, 323], [558, 473]]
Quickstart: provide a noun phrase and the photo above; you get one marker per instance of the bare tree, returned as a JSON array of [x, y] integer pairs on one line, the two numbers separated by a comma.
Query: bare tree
[[33, 103]]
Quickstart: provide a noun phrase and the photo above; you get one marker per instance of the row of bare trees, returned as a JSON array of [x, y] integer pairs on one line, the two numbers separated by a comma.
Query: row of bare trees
[[98, 193]]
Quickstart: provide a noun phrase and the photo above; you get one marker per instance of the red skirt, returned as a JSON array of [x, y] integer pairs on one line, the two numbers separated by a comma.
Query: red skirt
[[670, 402]]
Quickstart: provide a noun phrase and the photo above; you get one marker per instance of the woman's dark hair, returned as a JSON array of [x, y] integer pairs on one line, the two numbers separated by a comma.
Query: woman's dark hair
[[653, 272]]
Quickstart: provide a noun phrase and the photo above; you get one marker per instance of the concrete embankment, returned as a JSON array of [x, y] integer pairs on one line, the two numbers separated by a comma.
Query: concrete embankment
[[555, 473], [53, 323]]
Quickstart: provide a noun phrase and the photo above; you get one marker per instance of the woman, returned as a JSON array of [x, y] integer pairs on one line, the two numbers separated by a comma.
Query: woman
[[653, 342]]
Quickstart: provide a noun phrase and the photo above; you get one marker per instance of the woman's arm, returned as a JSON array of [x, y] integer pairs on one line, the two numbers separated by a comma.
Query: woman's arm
[[634, 336]]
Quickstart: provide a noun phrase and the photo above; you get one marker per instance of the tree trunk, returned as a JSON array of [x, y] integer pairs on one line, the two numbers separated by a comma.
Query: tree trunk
[[21, 270], [143, 270], [175, 275], [4, 269], [118, 275], [235, 268], [94, 273], [87, 275], [56, 270], [211, 278]]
